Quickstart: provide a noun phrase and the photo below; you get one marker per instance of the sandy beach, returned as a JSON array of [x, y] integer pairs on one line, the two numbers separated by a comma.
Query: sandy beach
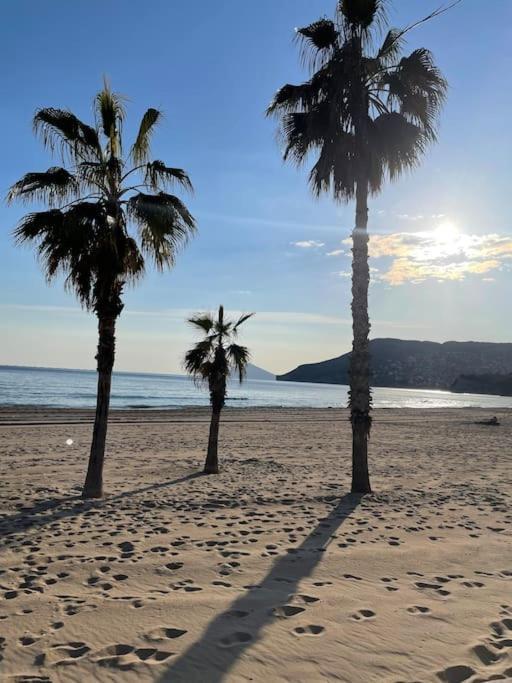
[[269, 571]]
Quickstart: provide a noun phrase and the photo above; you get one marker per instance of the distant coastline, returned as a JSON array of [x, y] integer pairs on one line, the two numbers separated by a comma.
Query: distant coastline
[[398, 363], [68, 388], [253, 370]]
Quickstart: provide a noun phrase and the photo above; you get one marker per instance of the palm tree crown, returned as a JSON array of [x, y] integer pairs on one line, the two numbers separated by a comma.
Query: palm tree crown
[[97, 197], [213, 358], [364, 110]]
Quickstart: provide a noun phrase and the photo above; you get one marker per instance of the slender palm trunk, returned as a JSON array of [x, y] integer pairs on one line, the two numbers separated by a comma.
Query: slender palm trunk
[[93, 487], [360, 398], [211, 465]]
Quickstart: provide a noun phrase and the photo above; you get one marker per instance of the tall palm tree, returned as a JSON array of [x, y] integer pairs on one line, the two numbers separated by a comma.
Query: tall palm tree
[[369, 114], [211, 361], [108, 213]]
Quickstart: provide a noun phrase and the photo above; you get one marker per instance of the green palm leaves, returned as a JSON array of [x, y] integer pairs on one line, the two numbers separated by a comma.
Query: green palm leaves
[[108, 213], [399, 97], [213, 358]]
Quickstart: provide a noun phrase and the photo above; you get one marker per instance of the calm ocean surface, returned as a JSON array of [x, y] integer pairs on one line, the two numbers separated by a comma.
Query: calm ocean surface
[[76, 389]]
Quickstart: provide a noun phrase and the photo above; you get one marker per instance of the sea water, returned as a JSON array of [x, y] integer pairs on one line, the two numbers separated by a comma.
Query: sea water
[[77, 389]]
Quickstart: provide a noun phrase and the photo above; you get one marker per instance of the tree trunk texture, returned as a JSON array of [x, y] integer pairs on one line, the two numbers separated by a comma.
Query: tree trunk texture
[[93, 487], [211, 465], [360, 397]]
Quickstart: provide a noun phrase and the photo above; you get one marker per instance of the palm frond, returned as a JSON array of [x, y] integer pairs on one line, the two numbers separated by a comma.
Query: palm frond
[[164, 223], [203, 321], [316, 41], [198, 360], [292, 98], [141, 146], [64, 241], [362, 13], [417, 88], [303, 132], [132, 265], [158, 175], [418, 73], [52, 186], [391, 47], [93, 174], [240, 321], [336, 168], [238, 357], [110, 114], [34, 225], [320, 35], [62, 130], [396, 144]]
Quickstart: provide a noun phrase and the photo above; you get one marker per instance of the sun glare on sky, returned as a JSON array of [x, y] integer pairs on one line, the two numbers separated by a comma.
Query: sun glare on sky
[[447, 232], [444, 240]]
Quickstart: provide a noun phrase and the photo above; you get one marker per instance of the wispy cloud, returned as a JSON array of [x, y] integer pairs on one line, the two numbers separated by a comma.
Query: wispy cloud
[[438, 255], [181, 314], [336, 252], [410, 217], [308, 244], [415, 217]]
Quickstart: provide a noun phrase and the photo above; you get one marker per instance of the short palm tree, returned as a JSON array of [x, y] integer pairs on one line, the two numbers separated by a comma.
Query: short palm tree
[[85, 233], [211, 361], [369, 114]]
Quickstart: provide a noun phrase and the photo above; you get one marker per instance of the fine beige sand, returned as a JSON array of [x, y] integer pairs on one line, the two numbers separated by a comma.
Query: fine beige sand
[[267, 572]]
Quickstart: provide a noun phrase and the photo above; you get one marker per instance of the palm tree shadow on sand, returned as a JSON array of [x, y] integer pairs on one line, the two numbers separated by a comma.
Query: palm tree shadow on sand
[[212, 656], [46, 512]]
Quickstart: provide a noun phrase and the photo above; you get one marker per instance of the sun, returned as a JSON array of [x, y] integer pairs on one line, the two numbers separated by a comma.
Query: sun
[[446, 233], [440, 243]]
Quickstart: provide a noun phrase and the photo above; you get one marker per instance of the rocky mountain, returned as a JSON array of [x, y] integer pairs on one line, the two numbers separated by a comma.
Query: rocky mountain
[[413, 364], [254, 372], [499, 385]]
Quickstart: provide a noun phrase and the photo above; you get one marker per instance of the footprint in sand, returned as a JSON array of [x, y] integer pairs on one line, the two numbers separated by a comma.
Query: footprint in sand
[[456, 674], [303, 599], [418, 609], [187, 585], [235, 639], [363, 615], [309, 630], [433, 587], [27, 640], [286, 611], [165, 633], [125, 657], [486, 655], [174, 565], [66, 653], [489, 654]]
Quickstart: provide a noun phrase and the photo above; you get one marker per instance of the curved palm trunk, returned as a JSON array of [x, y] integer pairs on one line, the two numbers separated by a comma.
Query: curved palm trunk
[[211, 465], [93, 487], [360, 398]]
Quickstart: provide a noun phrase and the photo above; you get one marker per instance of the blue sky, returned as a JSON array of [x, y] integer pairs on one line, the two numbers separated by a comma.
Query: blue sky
[[441, 254]]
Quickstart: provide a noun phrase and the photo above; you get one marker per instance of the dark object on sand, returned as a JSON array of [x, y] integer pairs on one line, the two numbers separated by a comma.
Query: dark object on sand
[[493, 422]]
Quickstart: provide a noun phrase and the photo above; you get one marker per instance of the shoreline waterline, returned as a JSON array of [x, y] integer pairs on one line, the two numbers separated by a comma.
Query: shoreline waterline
[[61, 388]]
